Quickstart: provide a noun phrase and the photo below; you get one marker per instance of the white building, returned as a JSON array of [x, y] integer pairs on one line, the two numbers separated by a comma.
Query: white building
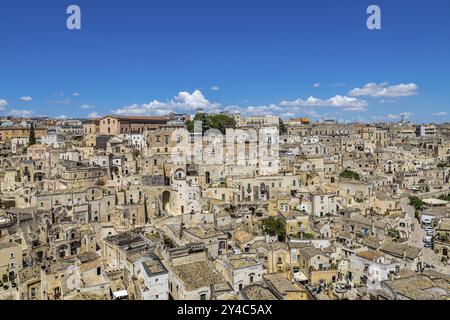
[[241, 272], [186, 194], [371, 267], [54, 140], [137, 141], [154, 276], [323, 204], [72, 155], [18, 144], [427, 130]]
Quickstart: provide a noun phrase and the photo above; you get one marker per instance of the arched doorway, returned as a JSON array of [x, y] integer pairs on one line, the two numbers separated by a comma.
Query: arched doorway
[[63, 251], [40, 256]]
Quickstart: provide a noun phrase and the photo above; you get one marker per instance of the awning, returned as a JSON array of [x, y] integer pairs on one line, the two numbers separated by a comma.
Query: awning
[[299, 276], [120, 294]]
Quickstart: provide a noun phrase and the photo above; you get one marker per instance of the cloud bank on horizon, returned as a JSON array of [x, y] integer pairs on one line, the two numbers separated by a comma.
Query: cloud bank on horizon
[[355, 101]]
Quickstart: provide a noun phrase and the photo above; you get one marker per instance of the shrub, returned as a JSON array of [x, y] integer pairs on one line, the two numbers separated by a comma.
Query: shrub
[[349, 174], [308, 236], [274, 227], [416, 202]]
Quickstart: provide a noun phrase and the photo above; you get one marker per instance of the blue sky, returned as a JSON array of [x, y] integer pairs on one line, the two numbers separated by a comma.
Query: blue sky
[[292, 58]]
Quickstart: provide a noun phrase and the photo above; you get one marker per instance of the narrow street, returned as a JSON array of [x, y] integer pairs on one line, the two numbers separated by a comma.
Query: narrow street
[[416, 240], [417, 234]]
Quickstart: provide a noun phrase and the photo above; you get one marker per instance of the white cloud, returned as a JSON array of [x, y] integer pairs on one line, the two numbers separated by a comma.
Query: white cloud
[[3, 104], [316, 85], [152, 108], [183, 102], [233, 109], [440, 114], [384, 101], [406, 115], [193, 100], [93, 115], [263, 109], [336, 101], [26, 98], [392, 116], [87, 107], [189, 102], [76, 94], [21, 113], [288, 115], [385, 90], [339, 84], [215, 88], [313, 114], [65, 101], [62, 117], [354, 109]]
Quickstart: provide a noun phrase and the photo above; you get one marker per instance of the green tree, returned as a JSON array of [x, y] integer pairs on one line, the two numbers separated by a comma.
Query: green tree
[[394, 233], [416, 202], [274, 227], [444, 197], [308, 236], [32, 137], [203, 118], [222, 122], [214, 121], [349, 174], [283, 128]]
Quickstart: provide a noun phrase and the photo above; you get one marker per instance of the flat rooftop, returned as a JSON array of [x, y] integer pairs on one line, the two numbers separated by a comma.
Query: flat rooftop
[[198, 275], [153, 266], [240, 263]]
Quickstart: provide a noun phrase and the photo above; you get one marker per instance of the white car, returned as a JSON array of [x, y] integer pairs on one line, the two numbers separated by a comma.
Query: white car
[[340, 288]]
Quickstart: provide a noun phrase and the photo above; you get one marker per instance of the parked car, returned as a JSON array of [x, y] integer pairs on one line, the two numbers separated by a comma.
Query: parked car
[[340, 288]]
